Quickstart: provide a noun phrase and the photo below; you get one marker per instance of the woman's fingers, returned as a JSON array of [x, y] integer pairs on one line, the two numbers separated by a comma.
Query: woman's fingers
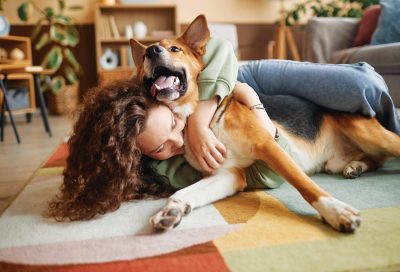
[[211, 161], [221, 149], [204, 165], [211, 157], [218, 155]]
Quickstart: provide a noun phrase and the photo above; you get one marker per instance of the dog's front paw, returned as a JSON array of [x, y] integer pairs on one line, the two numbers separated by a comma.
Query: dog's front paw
[[166, 219], [170, 216], [338, 214]]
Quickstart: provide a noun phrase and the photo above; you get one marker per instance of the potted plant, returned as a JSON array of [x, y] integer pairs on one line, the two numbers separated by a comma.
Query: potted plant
[[56, 35], [331, 8]]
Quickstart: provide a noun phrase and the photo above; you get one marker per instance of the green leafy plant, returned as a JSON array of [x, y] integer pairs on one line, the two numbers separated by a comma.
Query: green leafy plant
[[55, 34], [325, 8]]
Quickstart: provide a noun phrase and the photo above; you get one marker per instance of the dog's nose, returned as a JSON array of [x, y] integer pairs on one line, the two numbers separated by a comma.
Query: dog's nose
[[153, 51]]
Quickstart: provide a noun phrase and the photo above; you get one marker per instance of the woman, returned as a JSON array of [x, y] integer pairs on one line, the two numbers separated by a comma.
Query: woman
[[105, 166]]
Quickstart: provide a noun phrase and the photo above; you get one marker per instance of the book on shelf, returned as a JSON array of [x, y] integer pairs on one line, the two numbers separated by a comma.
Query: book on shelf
[[126, 56], [100, 28], [113, 26], [106, 27]]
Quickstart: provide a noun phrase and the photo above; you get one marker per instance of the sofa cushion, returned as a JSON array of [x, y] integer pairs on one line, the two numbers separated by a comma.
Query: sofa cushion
[[388, 29], [385, 57], [325, 35], [367, 25]]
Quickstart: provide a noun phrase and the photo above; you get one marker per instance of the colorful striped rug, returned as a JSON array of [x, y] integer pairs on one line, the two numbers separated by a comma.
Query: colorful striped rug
[[273, 230]]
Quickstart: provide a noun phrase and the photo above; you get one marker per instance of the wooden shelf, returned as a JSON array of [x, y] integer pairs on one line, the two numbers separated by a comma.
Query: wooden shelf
[[20, 79], [135, 6], [148, 39], [114, 40], [110, 25]]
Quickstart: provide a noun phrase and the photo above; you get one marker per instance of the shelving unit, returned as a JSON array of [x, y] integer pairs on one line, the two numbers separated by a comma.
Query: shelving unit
[[20, 79], [110, 25]]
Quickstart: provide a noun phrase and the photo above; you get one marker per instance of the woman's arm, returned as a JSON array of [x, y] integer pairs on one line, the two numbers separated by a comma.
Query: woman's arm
[[208, 150], [247, 96], [179, 172], [215, 81]]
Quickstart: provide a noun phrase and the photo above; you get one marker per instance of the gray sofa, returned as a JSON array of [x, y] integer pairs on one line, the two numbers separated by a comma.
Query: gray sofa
[[329, 40]]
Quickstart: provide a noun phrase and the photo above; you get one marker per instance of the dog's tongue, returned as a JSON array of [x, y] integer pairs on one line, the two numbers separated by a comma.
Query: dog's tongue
[[164, 82]]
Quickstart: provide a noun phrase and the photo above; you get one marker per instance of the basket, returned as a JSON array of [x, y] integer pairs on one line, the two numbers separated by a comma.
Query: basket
[[64, 102]]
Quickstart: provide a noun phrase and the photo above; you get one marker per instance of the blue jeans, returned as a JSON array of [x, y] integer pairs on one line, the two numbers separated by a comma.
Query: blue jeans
[[343, 87]]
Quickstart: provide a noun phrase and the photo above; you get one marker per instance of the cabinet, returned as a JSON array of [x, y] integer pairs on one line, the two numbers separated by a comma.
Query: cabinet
[[17, 81], [113, 26]]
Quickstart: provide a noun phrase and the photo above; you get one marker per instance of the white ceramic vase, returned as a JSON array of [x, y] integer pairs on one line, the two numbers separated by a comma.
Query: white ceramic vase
[[128, 31], [140, 30], [109, 60]]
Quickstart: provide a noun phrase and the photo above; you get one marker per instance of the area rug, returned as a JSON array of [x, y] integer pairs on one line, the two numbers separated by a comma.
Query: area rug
[[272, 230]]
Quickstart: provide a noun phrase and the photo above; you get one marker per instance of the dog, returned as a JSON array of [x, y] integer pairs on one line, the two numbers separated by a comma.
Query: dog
[[335, 142]]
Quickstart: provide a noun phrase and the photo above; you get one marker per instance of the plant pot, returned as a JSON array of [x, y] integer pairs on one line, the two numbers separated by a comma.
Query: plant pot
[[64, 102]]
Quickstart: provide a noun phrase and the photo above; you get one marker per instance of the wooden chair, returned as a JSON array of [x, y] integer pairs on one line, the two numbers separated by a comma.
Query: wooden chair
[[36, 71], [6, 107]]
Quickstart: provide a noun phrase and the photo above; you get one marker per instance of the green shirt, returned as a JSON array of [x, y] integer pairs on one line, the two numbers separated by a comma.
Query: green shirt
[[258, 176], [219, 75], [218, 78]]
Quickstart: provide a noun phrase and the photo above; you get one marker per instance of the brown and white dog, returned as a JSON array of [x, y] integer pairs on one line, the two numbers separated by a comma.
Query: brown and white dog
[[346, 143]]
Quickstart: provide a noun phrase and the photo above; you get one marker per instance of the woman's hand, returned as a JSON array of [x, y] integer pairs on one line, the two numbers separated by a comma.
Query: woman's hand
[[207, 149], [247, 96]]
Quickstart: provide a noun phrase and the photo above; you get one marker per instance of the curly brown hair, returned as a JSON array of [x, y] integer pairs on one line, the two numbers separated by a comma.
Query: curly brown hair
[[105, 166]]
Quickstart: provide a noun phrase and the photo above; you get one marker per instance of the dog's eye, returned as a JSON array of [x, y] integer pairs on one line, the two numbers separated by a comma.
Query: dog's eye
[[174, 48]]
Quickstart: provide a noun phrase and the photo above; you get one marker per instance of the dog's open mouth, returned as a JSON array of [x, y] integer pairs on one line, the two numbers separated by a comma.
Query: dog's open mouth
[[166, 84]]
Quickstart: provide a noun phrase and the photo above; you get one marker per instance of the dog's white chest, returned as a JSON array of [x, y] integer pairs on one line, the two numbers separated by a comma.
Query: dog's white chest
[[238, 153], [184, 110]]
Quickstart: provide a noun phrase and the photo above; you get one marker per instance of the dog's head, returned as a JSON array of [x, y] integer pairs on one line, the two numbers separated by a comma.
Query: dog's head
[[169, 68]]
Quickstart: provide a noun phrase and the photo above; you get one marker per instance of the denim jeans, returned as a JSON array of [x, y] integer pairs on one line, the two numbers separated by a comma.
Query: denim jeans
[[343, 87]]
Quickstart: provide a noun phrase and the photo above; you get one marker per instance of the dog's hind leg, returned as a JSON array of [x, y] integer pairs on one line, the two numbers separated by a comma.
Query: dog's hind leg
[[242, 124], [369, 135], [360, 165], [224, 183], [339, 215]]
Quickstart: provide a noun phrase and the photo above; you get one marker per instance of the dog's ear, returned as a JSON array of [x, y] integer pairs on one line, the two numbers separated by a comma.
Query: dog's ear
[[197, 35], [138, 51]]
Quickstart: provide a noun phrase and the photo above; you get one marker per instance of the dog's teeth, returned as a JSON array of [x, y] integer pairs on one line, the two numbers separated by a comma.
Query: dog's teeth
[[157, 87], [176, 81]]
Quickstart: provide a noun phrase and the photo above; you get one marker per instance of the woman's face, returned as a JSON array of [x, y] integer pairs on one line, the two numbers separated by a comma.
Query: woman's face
[[162, 137]]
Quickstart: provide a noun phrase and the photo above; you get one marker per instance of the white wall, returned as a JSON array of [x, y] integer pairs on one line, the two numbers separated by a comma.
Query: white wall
[[237, 11]]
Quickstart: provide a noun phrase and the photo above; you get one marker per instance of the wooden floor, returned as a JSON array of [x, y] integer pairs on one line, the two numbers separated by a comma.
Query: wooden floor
[[19, 161]]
